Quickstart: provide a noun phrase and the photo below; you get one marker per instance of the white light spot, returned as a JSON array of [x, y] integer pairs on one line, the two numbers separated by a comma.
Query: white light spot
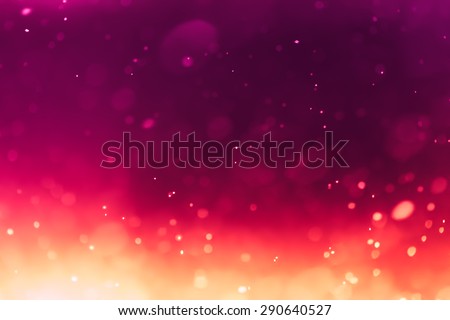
[[242, 289], [411, 251]]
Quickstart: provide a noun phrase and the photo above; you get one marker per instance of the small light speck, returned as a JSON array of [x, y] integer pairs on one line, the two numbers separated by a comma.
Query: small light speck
[[351, 278], [242, 289], [411, 251], [376, 272], [361, 185], [207, 248], [431, 206], [377, 216]]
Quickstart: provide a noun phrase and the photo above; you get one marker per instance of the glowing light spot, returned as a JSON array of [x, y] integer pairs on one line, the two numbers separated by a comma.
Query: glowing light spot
[[191, 205], [361, 185], [181, 251], [242, 289], [138, 241], [423, 238], [172, 222], [209, 236], [351, 205], [428, 224], [377, 216], [246, 257], [91, 248], [148, 123], [171, 194], [207, 248], [403, 210], [275, 259], [439, 185], [27, 30], [10, 231], [370, 242], [351, 278], [104, 207], [411, 251], [26, 11], [178, 237], [326, 254], [431, 206], [376, 272], [441, 230], [377, 245], [74, 279], [187, 62], [36, 224], [380, 69], [202, 213]]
